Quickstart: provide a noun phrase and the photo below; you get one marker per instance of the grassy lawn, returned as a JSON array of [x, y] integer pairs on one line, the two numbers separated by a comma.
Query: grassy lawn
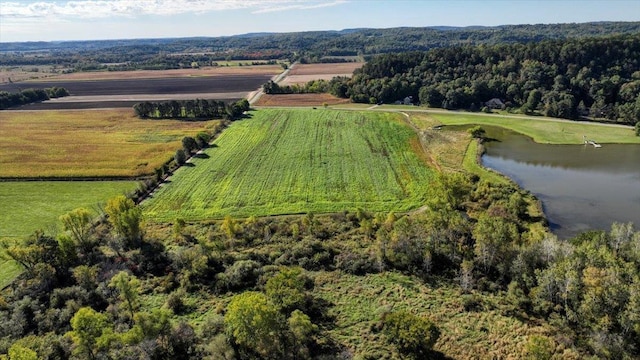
[[545, 130], [32, 205], [9, 269], [297, 161], [98, 143]]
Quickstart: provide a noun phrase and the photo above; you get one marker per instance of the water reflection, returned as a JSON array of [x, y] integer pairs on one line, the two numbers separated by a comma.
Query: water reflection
[[581, 187]]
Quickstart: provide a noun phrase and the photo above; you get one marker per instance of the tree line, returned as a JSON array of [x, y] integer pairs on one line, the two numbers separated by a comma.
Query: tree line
[[334, 86], [590, 77], [28, 96], [191, 109], [315, 46]]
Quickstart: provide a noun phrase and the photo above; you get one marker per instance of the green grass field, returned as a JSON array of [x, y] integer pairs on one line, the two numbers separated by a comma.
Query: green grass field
[[297, 161], [545, 130], [32, 205], [91, 143], [9, 269]]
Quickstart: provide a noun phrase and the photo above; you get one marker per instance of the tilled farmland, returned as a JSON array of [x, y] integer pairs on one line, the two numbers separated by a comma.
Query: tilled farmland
[[86, 94]]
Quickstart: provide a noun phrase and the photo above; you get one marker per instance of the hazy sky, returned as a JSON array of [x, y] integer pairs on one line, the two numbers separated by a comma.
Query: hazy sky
[[36, 20]]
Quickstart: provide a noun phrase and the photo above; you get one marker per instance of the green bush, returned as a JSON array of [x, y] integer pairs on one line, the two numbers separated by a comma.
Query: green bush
[[413, 335]]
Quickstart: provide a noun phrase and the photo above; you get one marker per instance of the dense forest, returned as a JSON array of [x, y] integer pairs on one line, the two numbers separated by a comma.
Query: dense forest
[[302, 46], [590, 77], [108, 287]]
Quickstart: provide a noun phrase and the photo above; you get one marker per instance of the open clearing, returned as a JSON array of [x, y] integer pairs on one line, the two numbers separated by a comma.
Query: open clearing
[[298, 161], [31, 205], [113, 143]]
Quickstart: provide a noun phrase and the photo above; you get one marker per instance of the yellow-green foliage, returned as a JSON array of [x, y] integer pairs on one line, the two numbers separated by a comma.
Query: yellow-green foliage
[[297, 161], [359, 303], [94, 143]]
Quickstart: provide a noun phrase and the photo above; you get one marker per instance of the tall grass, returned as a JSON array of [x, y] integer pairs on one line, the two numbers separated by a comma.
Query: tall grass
[[297, 161], [359, 301]]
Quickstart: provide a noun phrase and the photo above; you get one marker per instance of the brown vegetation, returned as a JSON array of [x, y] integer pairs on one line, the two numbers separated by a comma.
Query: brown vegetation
[[303, 73], [113, 143], [174, 73], [300, 100]]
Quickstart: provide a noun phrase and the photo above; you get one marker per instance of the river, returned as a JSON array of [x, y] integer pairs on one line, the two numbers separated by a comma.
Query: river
[[581, 187]]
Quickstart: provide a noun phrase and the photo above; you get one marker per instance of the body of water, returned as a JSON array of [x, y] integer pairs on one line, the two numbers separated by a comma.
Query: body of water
[[581, 187]]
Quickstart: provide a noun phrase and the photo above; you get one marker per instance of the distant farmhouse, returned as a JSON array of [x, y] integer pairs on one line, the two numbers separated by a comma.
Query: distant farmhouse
[[495, 103], [407, 101]]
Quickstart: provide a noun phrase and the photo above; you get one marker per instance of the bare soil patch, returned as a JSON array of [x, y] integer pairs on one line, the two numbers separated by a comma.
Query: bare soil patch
[[17, 74], [303, 73], [124, 101], [325, 69], [189, 85], [300, 100], [86, 94]]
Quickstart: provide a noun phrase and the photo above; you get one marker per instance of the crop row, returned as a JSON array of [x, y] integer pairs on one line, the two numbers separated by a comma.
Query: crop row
[[296, 161]]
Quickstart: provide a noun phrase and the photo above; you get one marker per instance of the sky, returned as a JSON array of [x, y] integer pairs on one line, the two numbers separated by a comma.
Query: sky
[[55, 20]]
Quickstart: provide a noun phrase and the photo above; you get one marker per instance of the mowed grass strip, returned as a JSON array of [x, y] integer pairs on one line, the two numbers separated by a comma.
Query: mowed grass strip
[[96, 143], [28, 206], [545, 130], [296, 161]]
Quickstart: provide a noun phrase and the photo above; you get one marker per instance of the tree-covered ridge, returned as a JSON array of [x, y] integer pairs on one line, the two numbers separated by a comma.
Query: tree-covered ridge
[[304, 46], [595, 77]]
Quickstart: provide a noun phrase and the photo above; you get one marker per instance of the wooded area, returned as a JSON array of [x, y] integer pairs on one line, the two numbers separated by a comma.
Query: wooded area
[[597, 78], [28, 96], [312, 46]]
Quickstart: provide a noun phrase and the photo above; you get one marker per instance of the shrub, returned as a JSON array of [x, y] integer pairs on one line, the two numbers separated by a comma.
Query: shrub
[[638, 128], [477, 132], [180, 157], [175, 303], [413, 335], [242, 274]]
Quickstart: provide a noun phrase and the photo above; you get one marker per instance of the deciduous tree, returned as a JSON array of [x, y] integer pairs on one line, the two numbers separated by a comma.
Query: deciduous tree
[[125, 218], [255, 323]]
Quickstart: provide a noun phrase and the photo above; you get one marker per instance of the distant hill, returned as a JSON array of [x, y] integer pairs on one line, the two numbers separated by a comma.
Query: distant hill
[[307, 46]]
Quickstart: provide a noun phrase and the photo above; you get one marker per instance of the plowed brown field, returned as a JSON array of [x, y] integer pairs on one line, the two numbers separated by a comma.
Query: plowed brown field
[[300, 100], [123, 89], [303, 73]]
